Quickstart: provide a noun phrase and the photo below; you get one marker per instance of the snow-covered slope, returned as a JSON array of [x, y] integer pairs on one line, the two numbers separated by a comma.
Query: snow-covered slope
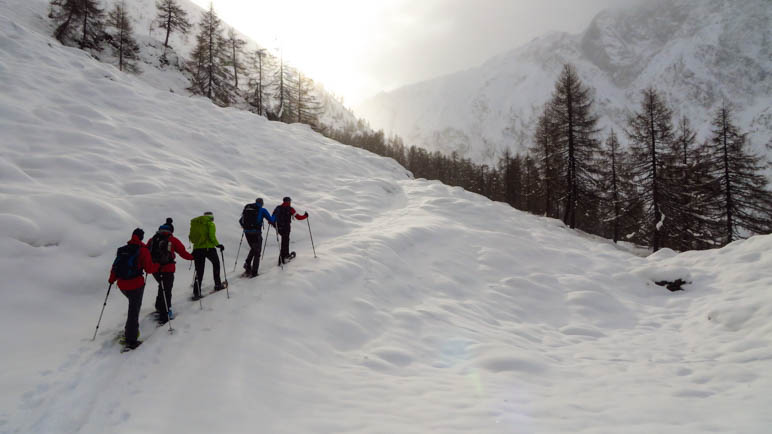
[[150, 39], [698, 52], [428, 309]]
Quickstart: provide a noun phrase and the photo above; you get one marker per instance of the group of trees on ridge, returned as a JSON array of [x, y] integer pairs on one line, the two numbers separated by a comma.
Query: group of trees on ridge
[[662, 190], [218, 67], [665, 189]]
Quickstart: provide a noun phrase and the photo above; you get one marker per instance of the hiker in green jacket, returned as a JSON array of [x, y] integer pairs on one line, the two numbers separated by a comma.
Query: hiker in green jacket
[[202, 235]]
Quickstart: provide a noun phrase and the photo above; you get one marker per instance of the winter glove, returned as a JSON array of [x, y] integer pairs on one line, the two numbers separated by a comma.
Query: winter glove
[[221, 247], [306, 214]]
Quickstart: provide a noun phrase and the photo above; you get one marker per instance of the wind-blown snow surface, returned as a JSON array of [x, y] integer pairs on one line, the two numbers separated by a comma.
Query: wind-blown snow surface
[[698, 53], [428, 309]]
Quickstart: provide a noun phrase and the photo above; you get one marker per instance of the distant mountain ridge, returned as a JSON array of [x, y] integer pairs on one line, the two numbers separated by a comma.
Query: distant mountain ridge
[[696, 52]]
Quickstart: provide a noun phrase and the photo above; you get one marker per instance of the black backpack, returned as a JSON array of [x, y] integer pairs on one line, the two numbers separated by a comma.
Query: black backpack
[[249, 217], [161, 249], [283, 217], [126, 265]]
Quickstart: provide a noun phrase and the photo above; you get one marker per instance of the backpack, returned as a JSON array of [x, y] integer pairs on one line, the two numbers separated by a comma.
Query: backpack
[[283, 217], [161, 249], [250, 216], [126, 264], [199, 230]]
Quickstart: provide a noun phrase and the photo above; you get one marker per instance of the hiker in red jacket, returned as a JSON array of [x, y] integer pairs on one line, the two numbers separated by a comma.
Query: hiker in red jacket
[[163, 246], [283, 215], [131, 261]]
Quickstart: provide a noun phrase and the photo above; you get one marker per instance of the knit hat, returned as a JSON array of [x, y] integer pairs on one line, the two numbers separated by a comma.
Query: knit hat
[[139, 233], [166, 228], [169, 223], [259, 201], [287, 199]]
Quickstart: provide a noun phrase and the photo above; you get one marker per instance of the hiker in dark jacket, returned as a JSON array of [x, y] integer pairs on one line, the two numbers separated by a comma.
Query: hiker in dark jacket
[[283, 214], [165, 275], [134, 287], [205, 245], [252, 221]]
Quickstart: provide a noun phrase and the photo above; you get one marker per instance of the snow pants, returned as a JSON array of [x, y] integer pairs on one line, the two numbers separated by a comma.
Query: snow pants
[[132, 320], [255, 241], [165, 283], [199, 257], [285, 240]]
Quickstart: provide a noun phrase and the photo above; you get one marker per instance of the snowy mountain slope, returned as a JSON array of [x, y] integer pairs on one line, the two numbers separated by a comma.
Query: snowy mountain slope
[[429, 309], [696, 52], [150, 39]]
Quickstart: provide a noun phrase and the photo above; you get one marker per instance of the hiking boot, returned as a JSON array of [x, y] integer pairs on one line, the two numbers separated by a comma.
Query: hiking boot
[[219, 287], [247, 268]]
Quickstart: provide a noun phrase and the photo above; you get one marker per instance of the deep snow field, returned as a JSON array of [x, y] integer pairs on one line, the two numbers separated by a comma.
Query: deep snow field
[[428, 309]]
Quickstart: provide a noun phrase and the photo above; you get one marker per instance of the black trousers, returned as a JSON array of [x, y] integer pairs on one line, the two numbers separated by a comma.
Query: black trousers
[[132, 320], [255, 241], [199, 256], [285, 239], [165, 284]]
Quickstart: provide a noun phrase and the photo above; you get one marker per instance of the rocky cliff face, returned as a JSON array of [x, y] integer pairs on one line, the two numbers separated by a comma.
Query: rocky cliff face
[[697, 52]]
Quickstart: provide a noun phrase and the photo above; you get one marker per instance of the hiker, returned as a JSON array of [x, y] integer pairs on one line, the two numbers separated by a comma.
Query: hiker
[[163, 246], [252, 222], [131, 260], [283, 215], [202, 235]]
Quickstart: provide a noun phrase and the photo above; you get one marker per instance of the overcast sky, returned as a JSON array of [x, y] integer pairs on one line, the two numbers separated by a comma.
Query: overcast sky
[[358, 48]]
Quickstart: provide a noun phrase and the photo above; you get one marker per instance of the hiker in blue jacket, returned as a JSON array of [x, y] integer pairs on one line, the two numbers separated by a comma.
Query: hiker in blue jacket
[[252, 222]]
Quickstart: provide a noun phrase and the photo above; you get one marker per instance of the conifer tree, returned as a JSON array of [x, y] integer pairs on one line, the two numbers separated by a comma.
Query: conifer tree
[[235, 47], [617, 189], [78, 21], [547, 157], [651, 134], [307, 107], [570, 111], [171, 17], [208, 66], [122, 39], [258, 63], [692, 183], [283, 82], [743, 200]]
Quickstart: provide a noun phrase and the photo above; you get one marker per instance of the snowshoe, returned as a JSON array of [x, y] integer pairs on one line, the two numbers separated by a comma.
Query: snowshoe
[[289, 257], [122, 338], [130, 346]]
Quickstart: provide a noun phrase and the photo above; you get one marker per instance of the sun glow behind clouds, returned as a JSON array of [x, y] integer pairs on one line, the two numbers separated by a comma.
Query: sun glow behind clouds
[[324, 39]]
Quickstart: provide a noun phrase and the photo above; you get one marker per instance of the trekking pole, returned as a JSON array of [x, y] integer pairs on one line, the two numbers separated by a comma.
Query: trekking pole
[[103, 311], [225, 274], [308, 220], [281, 264], [266, 242], [237, 253], [166, 303]]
